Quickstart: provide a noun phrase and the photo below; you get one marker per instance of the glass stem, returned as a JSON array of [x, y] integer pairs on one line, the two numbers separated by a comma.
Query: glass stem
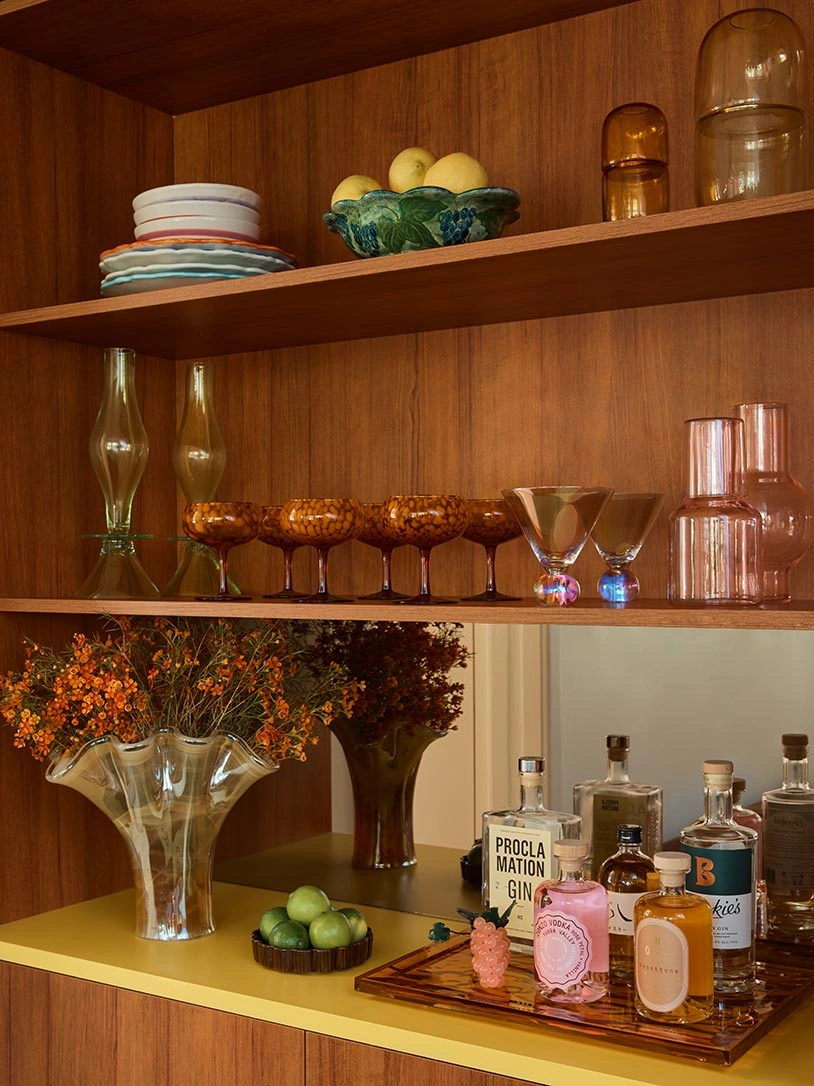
[[322, 570], [386, 556], [288, 567], [425, 570], [490, 568], [223, 585]]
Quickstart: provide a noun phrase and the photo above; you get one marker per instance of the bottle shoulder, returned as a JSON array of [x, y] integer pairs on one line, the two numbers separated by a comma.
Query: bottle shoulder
[[674, 899], [781, 796], [725, 834], [532, 819]]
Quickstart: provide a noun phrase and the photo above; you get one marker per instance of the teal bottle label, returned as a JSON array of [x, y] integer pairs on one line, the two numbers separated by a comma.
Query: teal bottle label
[[724, 877]]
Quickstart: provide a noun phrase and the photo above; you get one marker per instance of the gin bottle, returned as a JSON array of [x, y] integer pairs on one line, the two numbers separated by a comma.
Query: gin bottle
[[723, 870], [605, 805], [673, 948], [571, 931], [517, 852], [788, 825], [626, 875]]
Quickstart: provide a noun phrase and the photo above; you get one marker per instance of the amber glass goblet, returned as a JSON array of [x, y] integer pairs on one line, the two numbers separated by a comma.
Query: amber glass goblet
[[425, 521], [374, 532], [272, 533], [491, 522], [322, 523], [618, 535], [222, 526], [556, 521]]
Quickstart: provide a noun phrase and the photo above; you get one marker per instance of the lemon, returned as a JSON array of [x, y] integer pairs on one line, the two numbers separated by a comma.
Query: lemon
[[357, 921], [289, 935], [408, 168], [306, 902], [457, 172], [330, 930], [270, 919], [351, 188]]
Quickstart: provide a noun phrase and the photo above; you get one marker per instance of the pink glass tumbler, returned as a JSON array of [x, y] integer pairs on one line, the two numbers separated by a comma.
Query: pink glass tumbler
[[715, 535]]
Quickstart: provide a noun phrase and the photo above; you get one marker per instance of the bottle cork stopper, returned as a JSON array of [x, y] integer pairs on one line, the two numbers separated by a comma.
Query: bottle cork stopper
[[618, 747], [738, 787], [795, 745], [570, 850], [718, 767], [531, 765], [672, 861]]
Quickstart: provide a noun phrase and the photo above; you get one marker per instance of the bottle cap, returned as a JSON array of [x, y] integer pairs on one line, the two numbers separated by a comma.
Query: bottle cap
[[672, 861], [567, 849], [618, 747], [531, 765], [718, 767], [795, 746], [629, 835]]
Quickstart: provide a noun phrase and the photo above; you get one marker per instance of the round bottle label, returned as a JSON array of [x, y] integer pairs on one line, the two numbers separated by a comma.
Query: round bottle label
[[562, 949], [662, 964]]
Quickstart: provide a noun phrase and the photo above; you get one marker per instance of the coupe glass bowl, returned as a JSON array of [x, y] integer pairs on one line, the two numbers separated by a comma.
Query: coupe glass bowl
[[381, 222]]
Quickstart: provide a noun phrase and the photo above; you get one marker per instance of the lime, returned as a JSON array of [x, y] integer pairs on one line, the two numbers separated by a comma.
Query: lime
[[306, 902], [269, 919], [289, 935], [329, 930], [358, 924]]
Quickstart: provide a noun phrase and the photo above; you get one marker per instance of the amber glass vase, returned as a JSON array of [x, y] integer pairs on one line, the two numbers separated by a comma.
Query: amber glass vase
[[786, 512], [383, 776], [635, 179]]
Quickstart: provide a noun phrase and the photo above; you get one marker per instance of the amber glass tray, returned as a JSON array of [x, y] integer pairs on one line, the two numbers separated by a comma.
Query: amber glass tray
[[441, 975]]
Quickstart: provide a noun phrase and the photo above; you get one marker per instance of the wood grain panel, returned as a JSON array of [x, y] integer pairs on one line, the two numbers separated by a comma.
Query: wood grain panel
[[128, 1038], [331, 1062]]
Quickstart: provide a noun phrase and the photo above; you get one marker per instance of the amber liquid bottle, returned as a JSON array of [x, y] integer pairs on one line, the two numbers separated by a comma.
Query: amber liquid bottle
[[626, 875]]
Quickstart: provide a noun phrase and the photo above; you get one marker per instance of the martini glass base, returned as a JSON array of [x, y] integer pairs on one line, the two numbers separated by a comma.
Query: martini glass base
[[555, 589], [618, 586]]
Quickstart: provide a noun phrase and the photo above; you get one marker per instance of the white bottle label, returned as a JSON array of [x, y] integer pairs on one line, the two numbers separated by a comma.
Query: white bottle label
[[519, 859], [621, 912], [562, 949], [662, 957]]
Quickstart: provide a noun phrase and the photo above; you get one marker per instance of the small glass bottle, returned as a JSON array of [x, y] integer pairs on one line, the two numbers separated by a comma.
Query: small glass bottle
[[635, 180], [751, 96], [788, 828], [518, 851], [673, 948], [626, 875], [723, 870], [786, 510], [604, 806], [745, 816], [571, 931], [715, 535]]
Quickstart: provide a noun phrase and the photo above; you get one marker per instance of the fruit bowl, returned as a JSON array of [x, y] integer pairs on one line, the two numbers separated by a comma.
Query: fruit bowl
[[311, 961], [382, 222]]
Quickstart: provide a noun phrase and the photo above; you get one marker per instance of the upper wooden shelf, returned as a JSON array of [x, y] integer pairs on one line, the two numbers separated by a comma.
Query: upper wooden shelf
[[188, 54], [589, 612], [743, 248]]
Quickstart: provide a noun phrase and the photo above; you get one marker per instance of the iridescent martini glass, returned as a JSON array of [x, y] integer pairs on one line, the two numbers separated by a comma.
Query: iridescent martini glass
[[618, 534], [556, 521]]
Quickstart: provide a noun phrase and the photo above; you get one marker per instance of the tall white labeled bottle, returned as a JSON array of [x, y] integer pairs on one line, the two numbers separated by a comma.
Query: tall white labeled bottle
[[723, 863], [517, 851]]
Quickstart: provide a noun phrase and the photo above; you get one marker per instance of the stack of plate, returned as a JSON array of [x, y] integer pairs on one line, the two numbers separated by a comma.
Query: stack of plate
[[191, 233]]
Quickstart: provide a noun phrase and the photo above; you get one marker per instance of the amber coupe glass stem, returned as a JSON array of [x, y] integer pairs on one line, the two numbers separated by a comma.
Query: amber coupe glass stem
[[288, 570], [386, 570], [322, 570], [223, 562], [491, 586], [425, 571]]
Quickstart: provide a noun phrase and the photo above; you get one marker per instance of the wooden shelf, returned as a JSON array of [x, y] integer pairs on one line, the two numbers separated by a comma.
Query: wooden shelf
[[189, 54], [654, 613], [753, 247]]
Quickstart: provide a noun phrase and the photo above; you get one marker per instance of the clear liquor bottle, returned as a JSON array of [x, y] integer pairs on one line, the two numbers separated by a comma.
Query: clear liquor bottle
[[518, 853], [673, 947], [745, 816], [723, 871], [626, 875], [571, 943], [788, 826], [603, 806]]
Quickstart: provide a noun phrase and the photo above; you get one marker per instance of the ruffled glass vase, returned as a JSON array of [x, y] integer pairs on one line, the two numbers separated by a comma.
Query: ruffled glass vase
[[383, 775], [168, 796]]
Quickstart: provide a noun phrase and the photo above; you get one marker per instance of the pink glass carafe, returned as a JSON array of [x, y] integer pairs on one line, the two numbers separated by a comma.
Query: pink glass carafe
[[715, 535], [786, 511]]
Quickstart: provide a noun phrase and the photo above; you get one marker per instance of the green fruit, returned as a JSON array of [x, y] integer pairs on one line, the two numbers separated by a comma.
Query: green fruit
[[357, 921], [306, 902], [290, 935], [330, 930], [270, 919]]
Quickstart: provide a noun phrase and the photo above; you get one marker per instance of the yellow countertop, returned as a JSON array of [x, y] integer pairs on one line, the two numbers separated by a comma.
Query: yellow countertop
[[95, 941]]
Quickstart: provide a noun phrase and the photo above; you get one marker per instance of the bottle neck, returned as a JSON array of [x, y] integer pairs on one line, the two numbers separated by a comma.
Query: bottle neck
[[670, 882], [618, 770], [795, 772], [531, 792], [571, 871], [718, 799], [765, 434]]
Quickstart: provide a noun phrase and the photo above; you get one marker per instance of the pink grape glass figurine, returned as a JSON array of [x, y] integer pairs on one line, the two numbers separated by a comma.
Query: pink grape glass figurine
[[425, 521], [222, 526], [322, 523], [556, 521], [618, 535], [491, 522]]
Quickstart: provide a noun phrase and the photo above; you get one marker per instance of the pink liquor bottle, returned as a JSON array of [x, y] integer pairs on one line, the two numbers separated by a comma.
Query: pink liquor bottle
[[571, 940]]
